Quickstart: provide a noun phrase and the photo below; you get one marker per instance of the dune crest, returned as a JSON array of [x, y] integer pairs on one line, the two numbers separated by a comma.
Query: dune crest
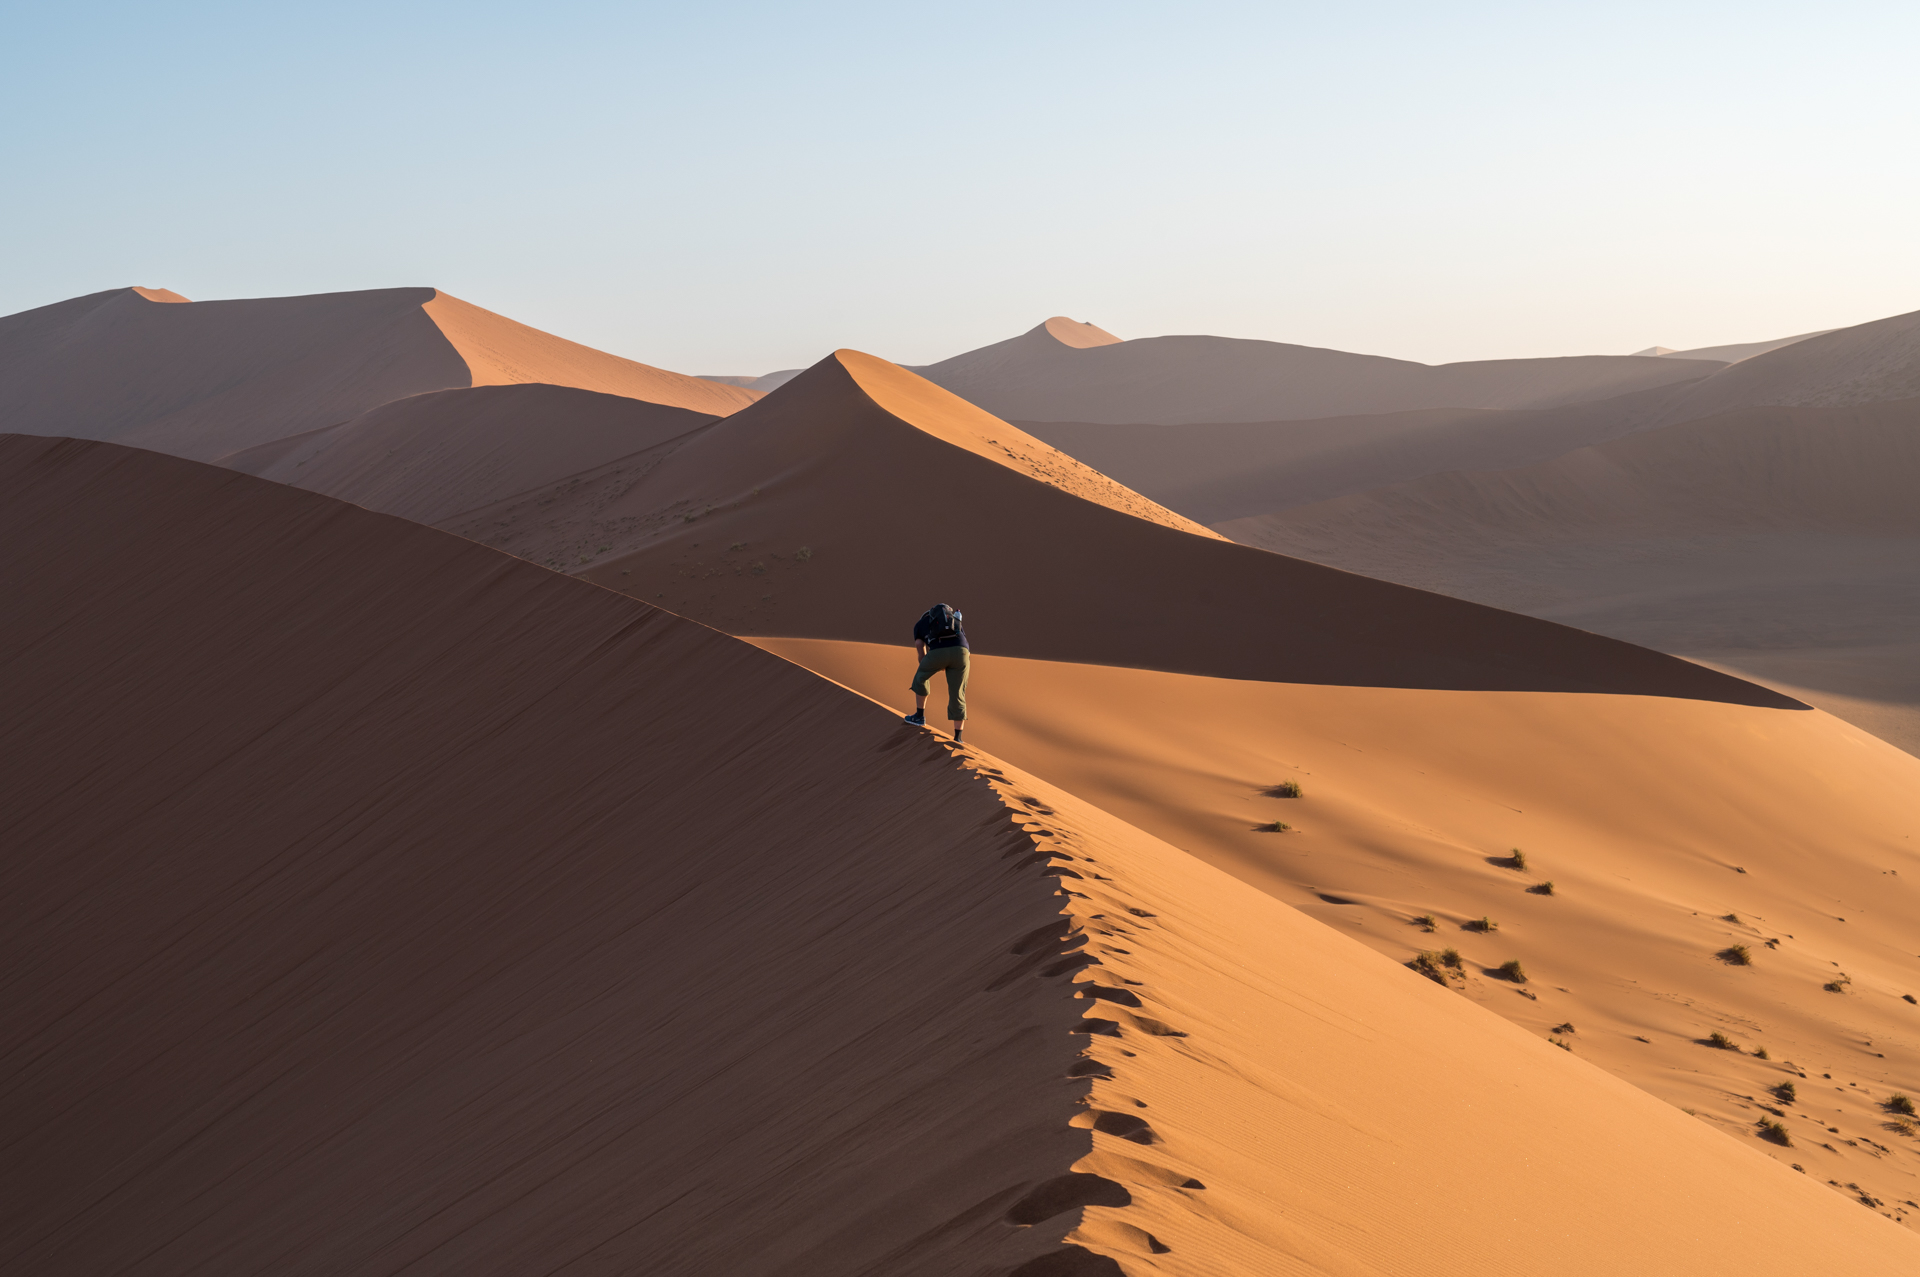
[[515, 980], [500, 352]]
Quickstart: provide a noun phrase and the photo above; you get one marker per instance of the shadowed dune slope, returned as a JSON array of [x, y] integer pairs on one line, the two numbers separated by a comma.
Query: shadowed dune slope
[[205, 379], [435, 456], [1038, 376], [849, 499], [1783, 542], [404, 907]]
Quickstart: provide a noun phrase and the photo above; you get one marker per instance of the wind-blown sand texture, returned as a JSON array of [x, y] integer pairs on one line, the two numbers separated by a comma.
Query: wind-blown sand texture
[[329, 964], [206, 379], [1781, 542], [1043, 376]]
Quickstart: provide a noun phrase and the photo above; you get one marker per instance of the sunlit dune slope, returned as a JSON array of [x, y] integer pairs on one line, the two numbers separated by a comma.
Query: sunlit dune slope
[[849, 499], [1670, 830], [1780, 541], [407, 907], [205, 379], [1053, 373], [436, 456]]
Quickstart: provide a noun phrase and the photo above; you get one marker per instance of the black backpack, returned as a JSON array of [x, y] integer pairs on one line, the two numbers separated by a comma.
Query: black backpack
[[942, 622]]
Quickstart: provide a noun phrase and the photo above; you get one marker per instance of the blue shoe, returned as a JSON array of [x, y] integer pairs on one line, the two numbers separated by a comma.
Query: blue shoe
[[918, 718]]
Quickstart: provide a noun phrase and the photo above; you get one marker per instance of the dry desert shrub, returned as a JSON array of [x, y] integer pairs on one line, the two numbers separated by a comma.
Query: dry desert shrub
[[1277, 827], [1516, 859], [1721, 1041], [1482, 924], [1838, 984], [1512, 970], [1897, 1103], [1736, 955], [1285, 789], [1774, 1131], [1787, 1093], [1426, 922], [1541, 888]]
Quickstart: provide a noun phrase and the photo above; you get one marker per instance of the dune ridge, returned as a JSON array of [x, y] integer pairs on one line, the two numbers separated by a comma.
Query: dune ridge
[[514, 979], [1039, 376], [211, 378]]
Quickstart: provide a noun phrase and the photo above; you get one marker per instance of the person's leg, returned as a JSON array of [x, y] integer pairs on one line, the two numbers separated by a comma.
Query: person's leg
[[957, 690], [919, 685]]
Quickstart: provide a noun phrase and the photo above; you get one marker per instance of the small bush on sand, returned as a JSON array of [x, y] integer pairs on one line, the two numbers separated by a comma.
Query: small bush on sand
[[1838, 984], [1277, 827], [1760, 1053], [1736, 955], [1541, 889], [1900, 1104], [1428, 964], [1285, 789], [1786, 1093], [1516, 859], [1903, 1126], [1483, 924], [1721, 1041], [1565, 1026], [1426, 922], [1774, 1131], [1451, 958], [1512, 970], [1561, 1044], [1729, 917]]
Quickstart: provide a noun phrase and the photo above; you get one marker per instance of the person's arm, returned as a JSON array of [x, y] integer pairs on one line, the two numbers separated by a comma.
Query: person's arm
[[919, 650]]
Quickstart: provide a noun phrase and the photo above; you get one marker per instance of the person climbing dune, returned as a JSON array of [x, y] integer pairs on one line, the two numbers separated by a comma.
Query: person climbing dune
[[941, 644]]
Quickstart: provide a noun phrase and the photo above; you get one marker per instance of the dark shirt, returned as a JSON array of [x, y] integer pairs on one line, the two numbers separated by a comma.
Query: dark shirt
[[923, 626]]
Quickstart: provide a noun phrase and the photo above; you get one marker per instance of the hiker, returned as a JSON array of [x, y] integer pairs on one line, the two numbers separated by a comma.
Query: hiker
[[940, 644]]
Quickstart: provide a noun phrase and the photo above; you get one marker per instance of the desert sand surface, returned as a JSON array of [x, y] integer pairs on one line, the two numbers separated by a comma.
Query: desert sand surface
[[1041, 376], [1877, 362], [437, 456], [1783, 543], [209, 378], [328, 964]]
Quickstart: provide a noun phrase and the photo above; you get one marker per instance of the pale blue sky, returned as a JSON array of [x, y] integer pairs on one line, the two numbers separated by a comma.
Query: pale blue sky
[[737, 187]]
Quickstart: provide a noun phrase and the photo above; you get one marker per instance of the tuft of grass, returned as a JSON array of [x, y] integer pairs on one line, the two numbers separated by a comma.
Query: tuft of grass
[[1838, 984], [1277, 827], [1903, 1126], [1721, 1041], [1541, 889], [1285, 789], [1760, 1053], [1736, 955], [1897, 1103], [1483, 924], [1774, 1131], [1427, 922], [1562, 1045], [1786, 1093], [1451, 958], [1565, 1026], [1516, 859], [1729, 917], [1512, 970], [1427, 963]]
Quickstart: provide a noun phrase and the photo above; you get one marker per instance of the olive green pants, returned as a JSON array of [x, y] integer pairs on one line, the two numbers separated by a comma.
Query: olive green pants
[[954, 661]]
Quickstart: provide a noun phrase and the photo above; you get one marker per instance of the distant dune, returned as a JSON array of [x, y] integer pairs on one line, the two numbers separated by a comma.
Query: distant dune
[[405, 906], [1041, 376], [1732, 354], [1877, 362], [206, 379], [434, 457], [1780, 541]]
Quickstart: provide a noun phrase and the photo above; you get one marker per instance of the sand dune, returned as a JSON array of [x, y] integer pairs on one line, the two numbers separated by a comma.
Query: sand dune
[[206, 379], [1783, 542], [1731, 354], [1039, 376], [434, 457], [831, 507], [1876, 362], [517, 980], [808, 517]]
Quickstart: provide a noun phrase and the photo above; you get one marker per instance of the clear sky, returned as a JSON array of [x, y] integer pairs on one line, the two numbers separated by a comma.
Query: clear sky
[[736, 187]]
